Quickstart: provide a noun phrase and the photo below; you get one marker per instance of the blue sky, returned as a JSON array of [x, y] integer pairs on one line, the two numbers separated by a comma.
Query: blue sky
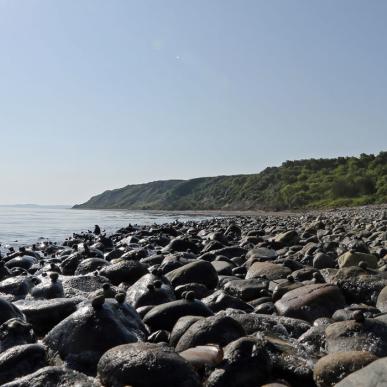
[[100, 94]]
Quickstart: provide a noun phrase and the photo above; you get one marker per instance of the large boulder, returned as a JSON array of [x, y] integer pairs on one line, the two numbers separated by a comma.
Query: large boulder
[[381, 302], [351, 258], [123, 270], [246, 289], [351, 335], [43, 315], [201, 272], [54, 376], [358, 285], [219, 329], [220, 300], [246, 364], [287, 238], [311, 302], [271, 271], [82, 338], [165, 316], [334, 367], [8, 311], [150, 290], [21, 360], [271, 325], [145, 364], [82, 285], [373, 375]]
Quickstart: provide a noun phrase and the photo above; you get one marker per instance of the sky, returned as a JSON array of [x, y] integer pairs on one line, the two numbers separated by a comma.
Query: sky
[[98, 94]]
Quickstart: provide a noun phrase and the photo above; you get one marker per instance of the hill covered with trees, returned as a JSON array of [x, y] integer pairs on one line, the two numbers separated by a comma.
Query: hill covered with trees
[[312, 183]]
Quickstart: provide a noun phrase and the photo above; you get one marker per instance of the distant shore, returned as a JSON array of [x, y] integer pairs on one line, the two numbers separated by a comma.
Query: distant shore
[[253, 213]]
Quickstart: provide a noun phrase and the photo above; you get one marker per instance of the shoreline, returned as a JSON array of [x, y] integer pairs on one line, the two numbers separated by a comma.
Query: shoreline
[[252, 213], [243, 284]]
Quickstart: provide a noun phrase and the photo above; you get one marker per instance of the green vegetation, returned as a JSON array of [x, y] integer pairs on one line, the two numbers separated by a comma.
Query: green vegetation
[[313, 183]]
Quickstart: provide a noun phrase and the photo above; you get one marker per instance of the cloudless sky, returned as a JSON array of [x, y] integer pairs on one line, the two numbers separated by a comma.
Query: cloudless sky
[[98, 94]]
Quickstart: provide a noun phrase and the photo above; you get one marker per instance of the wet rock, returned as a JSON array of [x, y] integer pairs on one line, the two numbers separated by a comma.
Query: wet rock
[[181, 326], [49, 288], [368, 335], [199, 271], [373, 375], [246, 364], [322, 261], [287, 238], [381, 302], [231, 251], [218, 329], [9, 311], [54, 376], [270, 270], [276, 325], [284, 287], [82, 285], [45, 314], [145, 364], [165, 316], [21, 360], [15, 332], [220, 300], [311, 302], [150, 290], [16, 286], [81, 338], [334, 367], [199, 290], [358, 285], [246, 290], [290, 361], [223, 267], [123, 271], [351, 258], [24, 262], [89, 265], [203, 355], [261, 254]]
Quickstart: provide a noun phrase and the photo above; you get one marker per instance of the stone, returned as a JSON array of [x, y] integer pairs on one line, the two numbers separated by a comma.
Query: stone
[[354, 258], [271, 271], [218, 329], [350, 335], [373, 375], [334, 367], [144, 365], [311, 302], [199, 271]]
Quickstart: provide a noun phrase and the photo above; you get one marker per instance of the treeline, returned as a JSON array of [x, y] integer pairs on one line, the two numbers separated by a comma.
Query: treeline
[[312, 183]]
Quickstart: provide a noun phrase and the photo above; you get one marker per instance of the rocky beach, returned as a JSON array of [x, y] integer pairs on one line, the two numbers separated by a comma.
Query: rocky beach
[[242, 301]]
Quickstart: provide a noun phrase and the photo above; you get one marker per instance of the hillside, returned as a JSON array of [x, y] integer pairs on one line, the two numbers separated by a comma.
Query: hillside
[[312, 183]]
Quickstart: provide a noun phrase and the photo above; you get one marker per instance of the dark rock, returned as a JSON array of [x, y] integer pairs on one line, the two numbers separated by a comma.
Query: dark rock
[[144, 365], [165, 316], [311, 302], [54, 376], [123, 271], [373, 375], [369, 335], [334, 367], [218, 329], [199, 271], [21, 360], [246, 364]]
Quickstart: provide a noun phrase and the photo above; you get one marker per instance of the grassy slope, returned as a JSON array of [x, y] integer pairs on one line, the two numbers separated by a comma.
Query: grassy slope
[[295, 184]]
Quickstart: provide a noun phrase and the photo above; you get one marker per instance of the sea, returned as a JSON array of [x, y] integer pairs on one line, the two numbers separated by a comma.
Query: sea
[[22, 225]]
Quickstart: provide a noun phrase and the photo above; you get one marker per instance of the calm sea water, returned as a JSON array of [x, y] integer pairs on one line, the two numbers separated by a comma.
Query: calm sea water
[[22, 226]]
